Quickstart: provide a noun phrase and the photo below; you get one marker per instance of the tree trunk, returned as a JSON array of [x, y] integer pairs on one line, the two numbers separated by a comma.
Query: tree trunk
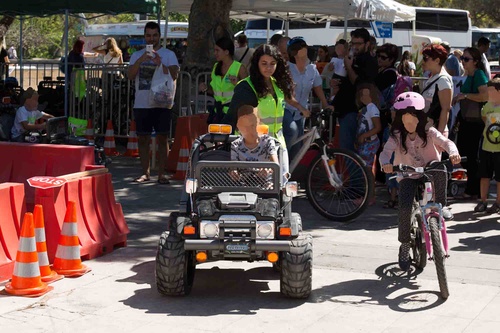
[[208, 21], [5, 23]]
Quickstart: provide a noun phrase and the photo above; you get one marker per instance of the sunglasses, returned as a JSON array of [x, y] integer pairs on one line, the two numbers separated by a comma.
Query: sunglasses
[[382, 57], [295, 40], [465, 59]]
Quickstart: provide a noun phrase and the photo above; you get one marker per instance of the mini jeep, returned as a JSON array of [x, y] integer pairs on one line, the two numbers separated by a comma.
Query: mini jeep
[[232, 210]]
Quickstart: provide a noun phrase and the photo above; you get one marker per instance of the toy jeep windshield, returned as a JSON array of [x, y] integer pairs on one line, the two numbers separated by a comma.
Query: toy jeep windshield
[[232, 210]]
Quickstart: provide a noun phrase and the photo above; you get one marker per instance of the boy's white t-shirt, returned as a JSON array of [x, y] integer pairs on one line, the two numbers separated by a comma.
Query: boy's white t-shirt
[[338, 66], [145, 75], [262, 152], [365, 122], [24, 115]]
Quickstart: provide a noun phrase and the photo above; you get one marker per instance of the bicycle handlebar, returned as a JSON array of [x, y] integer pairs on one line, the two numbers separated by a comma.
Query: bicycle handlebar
[[406, 168]]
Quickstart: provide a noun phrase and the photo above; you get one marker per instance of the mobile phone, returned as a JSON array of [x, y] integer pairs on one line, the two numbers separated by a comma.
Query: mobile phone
[[149, 49]]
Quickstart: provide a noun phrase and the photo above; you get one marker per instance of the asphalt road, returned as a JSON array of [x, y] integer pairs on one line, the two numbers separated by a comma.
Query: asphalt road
[[357, 286]]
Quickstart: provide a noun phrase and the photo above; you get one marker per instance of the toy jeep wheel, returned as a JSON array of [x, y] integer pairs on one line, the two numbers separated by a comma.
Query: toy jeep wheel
[[175, 267], [453, 189], [296, 268]]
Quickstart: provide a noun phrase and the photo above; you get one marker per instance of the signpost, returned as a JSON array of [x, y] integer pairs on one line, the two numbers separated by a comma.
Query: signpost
[[382, 29]]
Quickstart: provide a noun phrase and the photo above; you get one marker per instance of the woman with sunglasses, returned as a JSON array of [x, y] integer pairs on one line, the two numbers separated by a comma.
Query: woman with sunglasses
[[470, 131], [305, 78], [269, 88]]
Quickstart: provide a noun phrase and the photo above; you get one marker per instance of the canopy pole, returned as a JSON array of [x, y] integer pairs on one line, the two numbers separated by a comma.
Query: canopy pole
[[165, 32], [66, 79], [346, 18], [268, 28], [287, 23], [21, 71]]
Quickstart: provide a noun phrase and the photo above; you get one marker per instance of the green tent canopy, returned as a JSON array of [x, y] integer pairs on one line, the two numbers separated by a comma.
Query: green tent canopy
[[43, 8]]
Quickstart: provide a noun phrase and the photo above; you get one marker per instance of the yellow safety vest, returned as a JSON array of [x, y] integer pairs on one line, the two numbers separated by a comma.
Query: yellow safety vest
[[271, 111], [222, 86]]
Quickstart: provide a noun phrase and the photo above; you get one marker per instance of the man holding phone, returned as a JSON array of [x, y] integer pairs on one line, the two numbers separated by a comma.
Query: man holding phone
[[361, 67], [143, 64]]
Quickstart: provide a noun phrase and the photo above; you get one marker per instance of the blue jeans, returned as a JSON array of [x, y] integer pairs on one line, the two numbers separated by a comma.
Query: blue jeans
[[292, 129], [348, 130]]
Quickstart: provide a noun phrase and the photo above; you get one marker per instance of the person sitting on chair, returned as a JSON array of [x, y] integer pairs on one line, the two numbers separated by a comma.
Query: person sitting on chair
[[27, 115]]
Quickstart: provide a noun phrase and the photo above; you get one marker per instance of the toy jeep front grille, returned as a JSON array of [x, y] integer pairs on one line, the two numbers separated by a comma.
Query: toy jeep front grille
[[255, 177]]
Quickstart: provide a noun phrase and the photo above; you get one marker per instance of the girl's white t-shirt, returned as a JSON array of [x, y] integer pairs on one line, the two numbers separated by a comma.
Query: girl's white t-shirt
[[365, 122]]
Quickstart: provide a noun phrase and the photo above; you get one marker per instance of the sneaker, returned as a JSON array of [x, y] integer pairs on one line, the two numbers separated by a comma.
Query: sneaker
[[404, 256], [481, 207], [495, 208], [447, 215]]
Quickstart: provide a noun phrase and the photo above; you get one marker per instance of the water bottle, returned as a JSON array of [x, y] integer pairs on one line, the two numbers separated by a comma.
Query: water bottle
[[428, 191]]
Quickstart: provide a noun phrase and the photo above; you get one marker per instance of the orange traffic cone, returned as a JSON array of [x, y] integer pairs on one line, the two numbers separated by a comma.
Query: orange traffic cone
[[109, 140], [182, 163], [26, 279], [133, 143], [48, 275], [89, 132], [67, 261]]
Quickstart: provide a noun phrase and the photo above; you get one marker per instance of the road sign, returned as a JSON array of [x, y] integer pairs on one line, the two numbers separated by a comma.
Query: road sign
[[382, 29], [45, 182]]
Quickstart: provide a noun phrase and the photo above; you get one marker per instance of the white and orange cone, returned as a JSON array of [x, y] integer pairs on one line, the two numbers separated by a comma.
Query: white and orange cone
[[182, 162], [133, 143], [47, 274], [89, 131], [109, 140], [26, 279], [67, 261]]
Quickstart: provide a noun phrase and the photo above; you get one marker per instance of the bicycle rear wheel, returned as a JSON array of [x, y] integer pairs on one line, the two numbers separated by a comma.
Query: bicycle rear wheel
[[438, 256], [417, 243], [350, 199]]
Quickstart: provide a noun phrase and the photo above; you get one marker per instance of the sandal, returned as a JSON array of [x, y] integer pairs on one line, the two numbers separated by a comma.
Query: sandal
[[390, 204], [481, 207], [163, 180], [142, 179], [495, 208]]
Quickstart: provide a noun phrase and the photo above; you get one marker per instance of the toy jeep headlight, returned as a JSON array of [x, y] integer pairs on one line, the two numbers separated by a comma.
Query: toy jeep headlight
[[291, 189], [209, 229], [265, 229], [191, 185]]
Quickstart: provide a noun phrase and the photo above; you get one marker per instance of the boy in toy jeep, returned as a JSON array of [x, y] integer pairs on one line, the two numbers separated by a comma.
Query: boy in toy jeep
[[250, 146], [27, 115]]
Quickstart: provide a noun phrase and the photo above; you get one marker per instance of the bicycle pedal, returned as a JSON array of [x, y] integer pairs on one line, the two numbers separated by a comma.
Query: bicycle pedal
[[430, 258], [446, 256]]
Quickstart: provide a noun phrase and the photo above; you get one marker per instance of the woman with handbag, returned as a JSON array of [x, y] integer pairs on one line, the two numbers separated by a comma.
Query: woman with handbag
[[473, 94]]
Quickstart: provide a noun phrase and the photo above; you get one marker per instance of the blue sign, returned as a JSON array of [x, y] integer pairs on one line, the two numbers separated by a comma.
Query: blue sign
[[382, 29]]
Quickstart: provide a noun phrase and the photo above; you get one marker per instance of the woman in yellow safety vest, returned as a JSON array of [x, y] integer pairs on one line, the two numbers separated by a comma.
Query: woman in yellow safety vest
[[269, 87], [225, 75]]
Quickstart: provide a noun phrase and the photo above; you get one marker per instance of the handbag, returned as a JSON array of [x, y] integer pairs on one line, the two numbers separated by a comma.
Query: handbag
[[471, 110], [434, 111], [162, 91]]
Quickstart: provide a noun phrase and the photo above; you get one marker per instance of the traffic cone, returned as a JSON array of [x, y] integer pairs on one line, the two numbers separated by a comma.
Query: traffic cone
[[89, 132], [26, 279], [133, 143], [67, 261], [47, 274], [109, 140], [182, 162]]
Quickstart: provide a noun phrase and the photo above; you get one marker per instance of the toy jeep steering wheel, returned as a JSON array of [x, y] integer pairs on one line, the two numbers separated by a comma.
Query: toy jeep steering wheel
[[493, 133]]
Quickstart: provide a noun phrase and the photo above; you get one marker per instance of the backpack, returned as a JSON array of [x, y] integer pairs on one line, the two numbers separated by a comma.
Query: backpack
[[389, 94]]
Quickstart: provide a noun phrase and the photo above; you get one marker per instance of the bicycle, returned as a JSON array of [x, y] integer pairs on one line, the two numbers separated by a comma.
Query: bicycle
[[337, 183], [427, 221]]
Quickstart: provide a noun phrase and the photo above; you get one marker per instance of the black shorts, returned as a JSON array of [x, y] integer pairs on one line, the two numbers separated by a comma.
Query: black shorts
[[488, 163], [149, 119]]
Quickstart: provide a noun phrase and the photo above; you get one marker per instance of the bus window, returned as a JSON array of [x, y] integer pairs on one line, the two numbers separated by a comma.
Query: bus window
[[305, 25], [427, 21], [262, 24], [453, 22], [352, 24]]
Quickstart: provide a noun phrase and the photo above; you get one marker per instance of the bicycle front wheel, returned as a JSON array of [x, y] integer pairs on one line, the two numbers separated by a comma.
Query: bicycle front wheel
[[417, 242], [438, 256], [346, 200]]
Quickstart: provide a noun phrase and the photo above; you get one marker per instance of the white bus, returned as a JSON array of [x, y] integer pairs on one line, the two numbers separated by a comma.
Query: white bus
[[493, 34], [450, 25]]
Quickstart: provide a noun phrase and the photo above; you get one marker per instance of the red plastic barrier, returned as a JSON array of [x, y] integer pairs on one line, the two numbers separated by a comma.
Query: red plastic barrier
[[12, 208], [191, 127], [21, 161], [101, 224]]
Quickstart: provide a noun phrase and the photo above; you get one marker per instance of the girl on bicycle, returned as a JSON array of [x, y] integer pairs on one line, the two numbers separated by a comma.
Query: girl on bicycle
[[369, 126], [415, 146]]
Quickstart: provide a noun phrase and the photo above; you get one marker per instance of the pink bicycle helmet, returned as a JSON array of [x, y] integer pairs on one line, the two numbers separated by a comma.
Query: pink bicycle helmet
[[409, 99]]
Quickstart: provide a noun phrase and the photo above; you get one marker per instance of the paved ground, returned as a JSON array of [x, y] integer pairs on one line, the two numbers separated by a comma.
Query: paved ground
[[357, 287]]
